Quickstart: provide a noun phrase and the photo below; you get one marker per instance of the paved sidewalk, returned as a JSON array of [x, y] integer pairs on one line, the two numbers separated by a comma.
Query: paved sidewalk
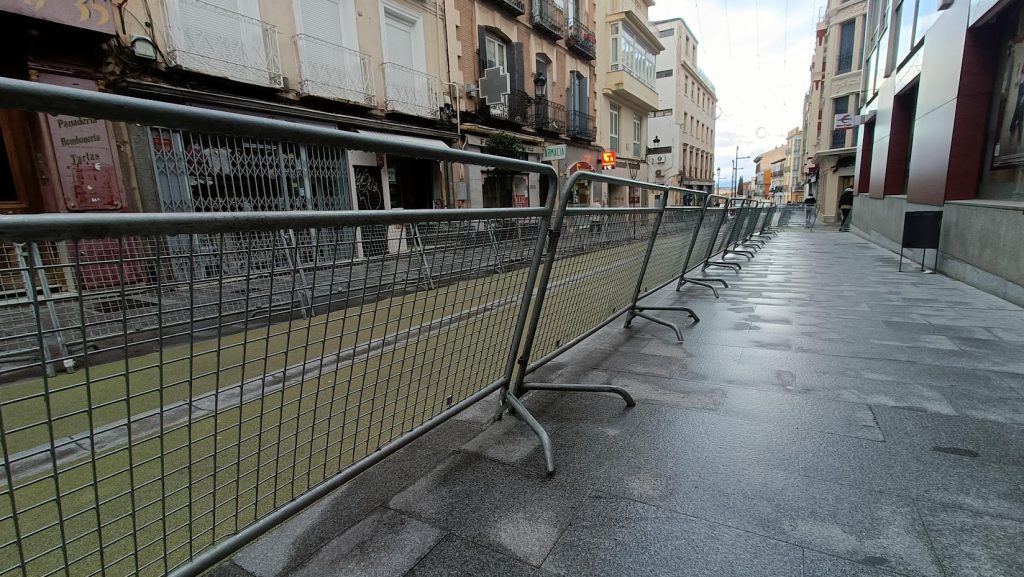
[[828, 417]]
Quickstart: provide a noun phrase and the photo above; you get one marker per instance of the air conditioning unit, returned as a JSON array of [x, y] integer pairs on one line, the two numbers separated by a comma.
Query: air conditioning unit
[[657, 173], [659, 159]]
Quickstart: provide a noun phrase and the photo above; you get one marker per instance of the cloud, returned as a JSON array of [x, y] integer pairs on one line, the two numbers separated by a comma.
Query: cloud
[[758, 54]]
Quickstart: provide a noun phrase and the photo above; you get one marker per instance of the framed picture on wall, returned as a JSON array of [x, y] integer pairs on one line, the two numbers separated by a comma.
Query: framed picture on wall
[[1009, 144]]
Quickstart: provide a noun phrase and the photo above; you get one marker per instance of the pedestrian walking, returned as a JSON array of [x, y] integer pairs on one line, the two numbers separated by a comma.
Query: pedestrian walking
[[846, 209], [810, 205]]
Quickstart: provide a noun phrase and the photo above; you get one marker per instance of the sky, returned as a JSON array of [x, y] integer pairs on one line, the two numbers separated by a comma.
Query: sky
[[757, 53]]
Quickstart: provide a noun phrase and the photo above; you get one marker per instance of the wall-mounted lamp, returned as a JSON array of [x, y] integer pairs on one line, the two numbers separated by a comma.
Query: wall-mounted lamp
[[143, 47], [380, 161]]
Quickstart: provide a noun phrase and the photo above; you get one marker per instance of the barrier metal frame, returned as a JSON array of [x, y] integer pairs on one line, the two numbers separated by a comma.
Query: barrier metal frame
[[39, 97], [704, 281], [518, 364]]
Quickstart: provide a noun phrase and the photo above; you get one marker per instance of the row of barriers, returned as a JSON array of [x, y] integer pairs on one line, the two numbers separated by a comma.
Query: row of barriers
[[173, 385]]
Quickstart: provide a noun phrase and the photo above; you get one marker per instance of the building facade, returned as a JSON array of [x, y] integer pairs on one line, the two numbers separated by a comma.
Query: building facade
[[547, 48], [626, 74], [793, 183], [836, 80], [684, 124], [768, 174], [943, 132]]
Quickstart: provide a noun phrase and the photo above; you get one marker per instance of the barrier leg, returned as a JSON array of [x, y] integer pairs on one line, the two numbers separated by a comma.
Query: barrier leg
[[574, 388], [746, 253], [735, 266], [538, 429], [639, 312], [703, 282]]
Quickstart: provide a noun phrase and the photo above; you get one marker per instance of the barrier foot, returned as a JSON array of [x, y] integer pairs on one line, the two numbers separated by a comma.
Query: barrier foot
[[574, 388], [538, 429], [638, 312], [704, 282], [735, 266], [745, 253]]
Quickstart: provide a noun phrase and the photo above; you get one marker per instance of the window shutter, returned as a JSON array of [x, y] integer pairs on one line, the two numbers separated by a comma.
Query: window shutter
[[517, 67], [482, 48]]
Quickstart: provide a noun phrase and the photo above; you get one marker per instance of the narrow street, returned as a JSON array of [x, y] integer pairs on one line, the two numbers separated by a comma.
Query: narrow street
[[827, 417]]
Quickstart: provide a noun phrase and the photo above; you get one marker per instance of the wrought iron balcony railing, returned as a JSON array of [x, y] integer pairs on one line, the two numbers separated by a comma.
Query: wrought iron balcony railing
[[582, 126], [548, 116], [410, 91], [332, 71], [513, 7], [513, 108], [582, 39], [207, 38], [548, 17]]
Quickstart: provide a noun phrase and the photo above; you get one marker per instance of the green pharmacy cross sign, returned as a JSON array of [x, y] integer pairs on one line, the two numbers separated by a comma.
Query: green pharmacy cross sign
[[494, 85]]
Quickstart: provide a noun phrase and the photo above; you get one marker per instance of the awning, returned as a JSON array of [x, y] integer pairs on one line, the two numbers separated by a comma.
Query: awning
[[432, 142]]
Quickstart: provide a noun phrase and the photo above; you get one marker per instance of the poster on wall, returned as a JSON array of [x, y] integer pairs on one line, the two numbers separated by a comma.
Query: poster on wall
[[1009, 146]]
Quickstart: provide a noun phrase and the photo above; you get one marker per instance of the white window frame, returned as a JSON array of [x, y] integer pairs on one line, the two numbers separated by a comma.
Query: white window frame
[[500, 47], [347, 13], [638, 129], [614, 112], [415, 20]]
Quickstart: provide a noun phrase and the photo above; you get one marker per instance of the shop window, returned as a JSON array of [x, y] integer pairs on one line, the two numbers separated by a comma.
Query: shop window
[[1003, 163]]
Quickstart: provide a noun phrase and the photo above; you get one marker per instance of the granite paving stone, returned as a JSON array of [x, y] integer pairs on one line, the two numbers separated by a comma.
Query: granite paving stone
[[620, 538]]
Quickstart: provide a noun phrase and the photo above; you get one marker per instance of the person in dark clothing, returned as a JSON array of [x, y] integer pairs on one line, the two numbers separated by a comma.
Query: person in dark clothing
[[810, 204], [846, 208]]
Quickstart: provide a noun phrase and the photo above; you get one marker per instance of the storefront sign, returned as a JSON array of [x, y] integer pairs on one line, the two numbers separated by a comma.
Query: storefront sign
[[84, 154], [608, 159], [522, 201], [554, 152], [95, 15]]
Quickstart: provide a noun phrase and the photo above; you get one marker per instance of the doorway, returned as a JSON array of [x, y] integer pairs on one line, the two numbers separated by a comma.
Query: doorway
[[411, 182]]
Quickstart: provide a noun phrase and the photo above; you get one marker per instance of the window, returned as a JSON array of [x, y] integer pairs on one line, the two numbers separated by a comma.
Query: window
[[665, 73], [665, 33], [631, 55], [903, 33], [840, 105], [637, 129], [847, 31], [686, 122], [613, 127], [494, 51], [927, 13]]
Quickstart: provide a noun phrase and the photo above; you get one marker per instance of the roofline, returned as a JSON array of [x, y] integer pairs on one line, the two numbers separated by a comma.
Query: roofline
[[655, 23]]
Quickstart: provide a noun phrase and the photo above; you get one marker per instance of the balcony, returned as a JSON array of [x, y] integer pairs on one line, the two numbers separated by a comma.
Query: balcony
[[512, 7], [582, 40], [212, 40], [627, 87], [409, 91], [514, 108], [548, 116], [332, 71], [548, 17], [582, 126]]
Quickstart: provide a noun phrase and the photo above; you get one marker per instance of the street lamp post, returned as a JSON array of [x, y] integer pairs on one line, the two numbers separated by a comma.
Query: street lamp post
[[735, 167]]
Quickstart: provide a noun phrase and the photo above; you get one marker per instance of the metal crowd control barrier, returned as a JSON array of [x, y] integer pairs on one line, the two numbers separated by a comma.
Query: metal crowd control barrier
[[226, 370], [703, 245], [233, 368]]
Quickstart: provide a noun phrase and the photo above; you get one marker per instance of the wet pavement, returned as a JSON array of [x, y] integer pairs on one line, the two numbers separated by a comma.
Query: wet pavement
[[828, 417]]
